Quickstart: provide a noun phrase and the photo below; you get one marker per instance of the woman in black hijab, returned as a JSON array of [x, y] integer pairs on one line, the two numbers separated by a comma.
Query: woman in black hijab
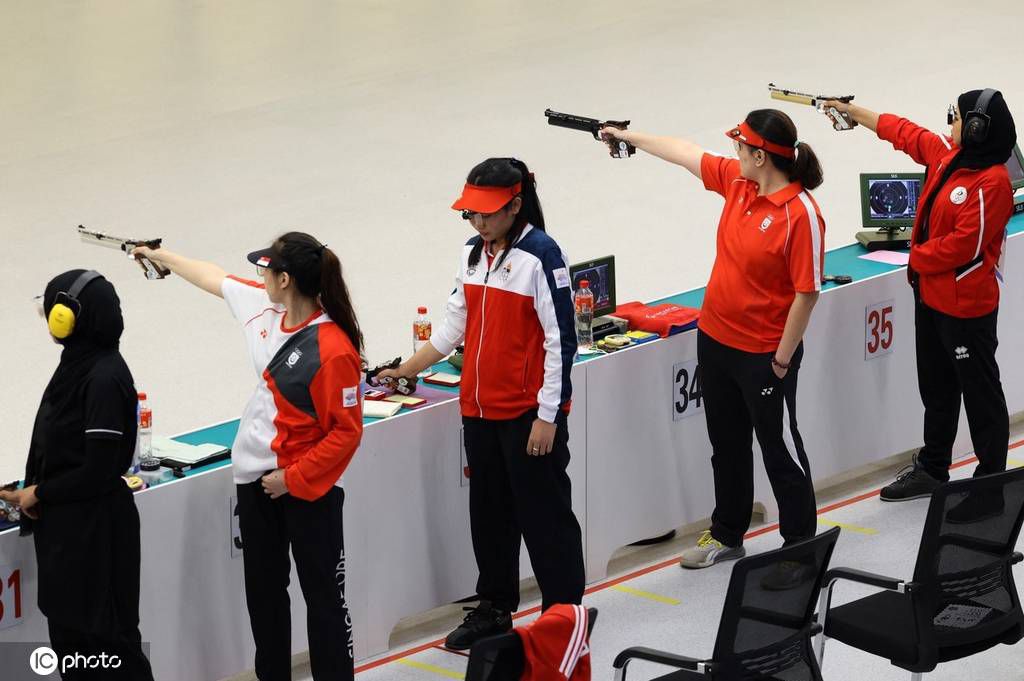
[[74, 499], [956, 249]]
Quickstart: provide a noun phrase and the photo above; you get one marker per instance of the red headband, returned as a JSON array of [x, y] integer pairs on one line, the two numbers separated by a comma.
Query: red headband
[[486, 199], [744, 133]]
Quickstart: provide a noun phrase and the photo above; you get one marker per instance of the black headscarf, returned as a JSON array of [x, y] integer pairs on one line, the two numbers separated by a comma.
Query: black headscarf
[[995, 150], [98, 328], [97, 333], [1002, 133]]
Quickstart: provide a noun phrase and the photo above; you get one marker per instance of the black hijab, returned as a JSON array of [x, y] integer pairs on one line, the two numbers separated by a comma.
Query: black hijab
[[1002, 134], [995, 150], [97, 333]]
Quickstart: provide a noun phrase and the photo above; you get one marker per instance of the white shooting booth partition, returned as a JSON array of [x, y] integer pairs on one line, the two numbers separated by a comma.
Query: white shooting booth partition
[[639, 469]]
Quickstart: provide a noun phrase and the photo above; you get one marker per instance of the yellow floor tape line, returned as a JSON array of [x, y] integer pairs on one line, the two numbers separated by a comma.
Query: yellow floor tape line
[[422, 666], [646, 594], [851, 528], [1016, 463]]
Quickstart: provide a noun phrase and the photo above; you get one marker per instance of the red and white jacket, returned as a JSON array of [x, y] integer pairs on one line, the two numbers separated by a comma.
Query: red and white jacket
[[556, 646], [305, 415], [517, 321], [958, 266]]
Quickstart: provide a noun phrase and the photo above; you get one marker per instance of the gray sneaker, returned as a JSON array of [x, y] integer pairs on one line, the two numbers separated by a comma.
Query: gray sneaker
[[709, 551]]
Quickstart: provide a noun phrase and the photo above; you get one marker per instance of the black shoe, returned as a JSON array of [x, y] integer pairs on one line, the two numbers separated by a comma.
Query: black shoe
[[788, 574], [481, 622], [913, 482], [976, 507]]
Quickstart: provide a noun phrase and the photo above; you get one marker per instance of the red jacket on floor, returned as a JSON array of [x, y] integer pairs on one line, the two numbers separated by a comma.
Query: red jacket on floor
[[958, 266], [556, 645]]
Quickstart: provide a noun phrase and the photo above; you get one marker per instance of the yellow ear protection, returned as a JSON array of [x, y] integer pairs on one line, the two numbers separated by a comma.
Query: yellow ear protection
[[67, 307], [977, 120]]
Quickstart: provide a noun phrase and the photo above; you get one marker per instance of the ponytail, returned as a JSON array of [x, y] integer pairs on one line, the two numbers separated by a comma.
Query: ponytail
[[317, 274], [507, 172], [775, 126], [806, 169], [335, 299]]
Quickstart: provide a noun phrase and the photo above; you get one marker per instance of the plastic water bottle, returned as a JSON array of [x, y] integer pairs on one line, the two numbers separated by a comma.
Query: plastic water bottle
[[145, 450], [421, 329], [584, 301]]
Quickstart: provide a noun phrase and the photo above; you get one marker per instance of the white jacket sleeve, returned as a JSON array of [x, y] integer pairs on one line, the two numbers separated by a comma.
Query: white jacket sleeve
[[453, 329]]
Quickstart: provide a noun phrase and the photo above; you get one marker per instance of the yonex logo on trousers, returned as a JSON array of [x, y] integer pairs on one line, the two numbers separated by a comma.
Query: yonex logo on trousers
[[765, 392], [961, 352]]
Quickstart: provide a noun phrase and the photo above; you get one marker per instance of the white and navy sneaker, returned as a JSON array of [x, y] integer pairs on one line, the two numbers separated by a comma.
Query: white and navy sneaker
[[709, 551]]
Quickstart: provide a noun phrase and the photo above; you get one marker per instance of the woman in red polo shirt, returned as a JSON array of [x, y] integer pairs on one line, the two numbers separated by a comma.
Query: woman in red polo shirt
[[956, 247], [758, 302]]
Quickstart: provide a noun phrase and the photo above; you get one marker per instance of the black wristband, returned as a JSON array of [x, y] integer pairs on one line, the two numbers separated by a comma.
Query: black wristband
[[779, 364]]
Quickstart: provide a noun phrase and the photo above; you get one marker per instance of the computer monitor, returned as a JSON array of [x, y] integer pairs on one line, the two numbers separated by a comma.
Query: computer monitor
[[1015, 166], [888, 201], [600, 273]]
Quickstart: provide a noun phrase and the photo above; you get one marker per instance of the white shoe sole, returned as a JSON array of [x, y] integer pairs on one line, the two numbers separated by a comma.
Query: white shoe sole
[[719, 558]]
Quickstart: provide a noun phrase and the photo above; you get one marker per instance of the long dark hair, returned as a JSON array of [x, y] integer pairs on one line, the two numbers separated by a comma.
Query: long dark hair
[[317, 272], [777, 127], [507, 172]]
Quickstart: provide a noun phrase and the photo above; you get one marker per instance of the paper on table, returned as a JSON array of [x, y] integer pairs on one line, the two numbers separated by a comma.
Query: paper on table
[[380, 409], [887, 257], [166, 448]]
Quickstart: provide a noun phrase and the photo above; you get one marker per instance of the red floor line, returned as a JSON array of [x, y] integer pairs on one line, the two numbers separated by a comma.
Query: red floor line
[[649, 569], [453, 652]]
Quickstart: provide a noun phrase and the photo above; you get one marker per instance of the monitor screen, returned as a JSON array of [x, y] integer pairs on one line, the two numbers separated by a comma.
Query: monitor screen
[[890, 200], [1015, 166], [600, 275]]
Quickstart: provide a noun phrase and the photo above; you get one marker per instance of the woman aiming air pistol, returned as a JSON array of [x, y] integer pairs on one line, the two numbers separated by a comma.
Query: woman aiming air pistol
[[758, 302], [956, 248], [297, 435]]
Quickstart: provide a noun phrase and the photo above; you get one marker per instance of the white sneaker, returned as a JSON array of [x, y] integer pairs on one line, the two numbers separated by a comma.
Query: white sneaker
[[709, 551]]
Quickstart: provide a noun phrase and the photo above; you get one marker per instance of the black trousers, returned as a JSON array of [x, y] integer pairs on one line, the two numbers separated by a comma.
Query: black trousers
[[744, 397], [957, 357], [126, 645], [514, 496], [313, 530]]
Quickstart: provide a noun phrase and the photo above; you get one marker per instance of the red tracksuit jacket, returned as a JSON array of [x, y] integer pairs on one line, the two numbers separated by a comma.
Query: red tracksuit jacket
[[519, 328], [959, 264]]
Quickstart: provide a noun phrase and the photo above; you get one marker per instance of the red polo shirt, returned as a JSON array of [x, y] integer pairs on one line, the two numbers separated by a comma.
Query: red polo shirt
[[769, 248]]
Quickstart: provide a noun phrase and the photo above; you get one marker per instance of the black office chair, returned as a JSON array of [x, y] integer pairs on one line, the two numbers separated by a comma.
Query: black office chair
[[500, 658], [765, 633], [962, 599]]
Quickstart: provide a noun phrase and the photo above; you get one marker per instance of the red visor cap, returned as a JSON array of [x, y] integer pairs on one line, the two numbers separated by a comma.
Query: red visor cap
[[486, 199], [744, 133]]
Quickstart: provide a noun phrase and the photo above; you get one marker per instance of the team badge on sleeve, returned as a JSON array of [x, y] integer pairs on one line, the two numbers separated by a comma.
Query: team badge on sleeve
[[350, 396], [561, 277]]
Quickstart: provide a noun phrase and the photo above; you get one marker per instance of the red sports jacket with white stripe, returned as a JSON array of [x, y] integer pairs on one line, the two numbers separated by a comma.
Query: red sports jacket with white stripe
[[517, 322], [556, 647], [959, 264]]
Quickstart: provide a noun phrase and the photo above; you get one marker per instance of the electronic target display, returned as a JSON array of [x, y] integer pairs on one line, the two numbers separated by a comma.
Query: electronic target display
[[889, 200]]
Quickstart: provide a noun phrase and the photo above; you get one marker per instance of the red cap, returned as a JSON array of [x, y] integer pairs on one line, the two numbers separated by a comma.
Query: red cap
[[486, 199], [421, 310], [142, 396], [584, 283], [744, 133]]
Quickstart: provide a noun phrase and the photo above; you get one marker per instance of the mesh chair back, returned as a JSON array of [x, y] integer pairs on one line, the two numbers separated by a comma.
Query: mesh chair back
[[765, 633], [496, 658], [966, 593]]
